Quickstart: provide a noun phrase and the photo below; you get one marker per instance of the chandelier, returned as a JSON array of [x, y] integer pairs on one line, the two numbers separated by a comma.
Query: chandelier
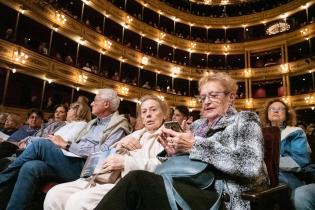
[[277, 27]]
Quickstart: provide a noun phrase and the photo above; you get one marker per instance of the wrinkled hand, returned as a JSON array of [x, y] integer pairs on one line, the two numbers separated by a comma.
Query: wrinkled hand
[[185, 125], [22, 144], [177, 142], [168, 149], [113, 162], [130, 143], [58, 140]]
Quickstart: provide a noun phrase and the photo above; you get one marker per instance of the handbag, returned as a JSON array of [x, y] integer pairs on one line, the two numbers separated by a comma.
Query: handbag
[[193, 172], [106, 177]]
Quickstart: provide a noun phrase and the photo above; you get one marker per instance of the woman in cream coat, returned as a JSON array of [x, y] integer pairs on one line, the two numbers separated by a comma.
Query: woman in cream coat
[[143, 148]]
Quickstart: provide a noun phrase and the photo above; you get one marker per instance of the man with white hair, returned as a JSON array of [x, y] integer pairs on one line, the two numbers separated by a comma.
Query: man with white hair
[[61, 161]]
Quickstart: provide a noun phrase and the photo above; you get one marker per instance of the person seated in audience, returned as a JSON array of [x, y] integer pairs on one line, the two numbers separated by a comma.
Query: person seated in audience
[[42, 48], [294, 149], [58, 57], [33, 102], [48, 159], [98, 29], [3, 117], [60, 116], [77, 117], [9, 35], [83, 99], [87, 67], [34, 122], [146, 85], [69, 60], [143, 148], [229, 141], [47, 128], [116, 76], [12, 124], [181, 113], [303, 197], [49, 104]]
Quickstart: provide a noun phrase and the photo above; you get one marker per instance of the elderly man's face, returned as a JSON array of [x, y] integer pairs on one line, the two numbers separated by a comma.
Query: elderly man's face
[[215, 99], [99, 105]]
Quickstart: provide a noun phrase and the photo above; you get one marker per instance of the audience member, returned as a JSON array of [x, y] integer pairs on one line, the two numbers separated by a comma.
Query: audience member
[[34, 122], [294, 148], [9, 35], [76, 119], [12, 124], [146, 85], [181, 113], [233, 140], [45, 159], [98, 29], [46, 129], [143, 148], [3, 117], [69, 60], [303, 197], [87, 67], [83, 99], [49, 104], [116, 76], [42, 48], [58, 56], [59, 119]]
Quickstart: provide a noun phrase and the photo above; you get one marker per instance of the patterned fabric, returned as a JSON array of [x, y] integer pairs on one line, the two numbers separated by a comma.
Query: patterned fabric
[[22, 133], [49, 129], [234, 147]]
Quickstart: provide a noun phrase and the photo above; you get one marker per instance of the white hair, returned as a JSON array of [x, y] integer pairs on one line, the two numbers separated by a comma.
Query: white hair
[[111, 96]]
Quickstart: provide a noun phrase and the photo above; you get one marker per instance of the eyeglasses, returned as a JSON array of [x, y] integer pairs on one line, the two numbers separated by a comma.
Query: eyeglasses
[[276, 109], [212, 96]]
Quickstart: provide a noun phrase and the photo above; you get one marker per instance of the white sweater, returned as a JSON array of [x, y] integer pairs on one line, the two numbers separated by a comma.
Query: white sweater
[[71, 130], [145, 157]]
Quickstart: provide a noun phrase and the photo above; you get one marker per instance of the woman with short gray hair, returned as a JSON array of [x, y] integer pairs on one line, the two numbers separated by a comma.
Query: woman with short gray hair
[[230, 142]]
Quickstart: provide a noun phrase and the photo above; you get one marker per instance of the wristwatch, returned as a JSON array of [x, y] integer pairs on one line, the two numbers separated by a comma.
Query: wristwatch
[[68, 145]]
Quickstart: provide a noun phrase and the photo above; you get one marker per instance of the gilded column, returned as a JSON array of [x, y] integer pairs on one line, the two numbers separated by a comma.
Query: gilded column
[[288, 87]]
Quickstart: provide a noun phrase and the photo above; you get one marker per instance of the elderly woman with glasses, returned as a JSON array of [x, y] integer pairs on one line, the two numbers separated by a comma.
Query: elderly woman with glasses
[[294, 152], [229, 141]]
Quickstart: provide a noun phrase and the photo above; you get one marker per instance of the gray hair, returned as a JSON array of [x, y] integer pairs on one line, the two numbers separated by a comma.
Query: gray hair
[[110, 95]]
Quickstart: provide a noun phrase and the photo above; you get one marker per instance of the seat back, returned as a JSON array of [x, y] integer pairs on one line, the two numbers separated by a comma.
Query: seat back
[[272, 153], [311, 142]]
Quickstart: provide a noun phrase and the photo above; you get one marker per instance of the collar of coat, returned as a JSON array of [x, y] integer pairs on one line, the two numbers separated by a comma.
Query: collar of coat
[[225, 120]]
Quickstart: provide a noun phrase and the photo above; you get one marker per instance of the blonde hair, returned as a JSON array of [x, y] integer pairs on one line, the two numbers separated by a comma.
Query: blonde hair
[[226, 80], [163, 104], [17, 119], [83, 111], [290, 116], [83, 99]]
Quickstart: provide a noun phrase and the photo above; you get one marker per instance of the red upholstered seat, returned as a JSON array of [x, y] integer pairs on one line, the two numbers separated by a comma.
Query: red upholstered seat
[[47, 186]]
